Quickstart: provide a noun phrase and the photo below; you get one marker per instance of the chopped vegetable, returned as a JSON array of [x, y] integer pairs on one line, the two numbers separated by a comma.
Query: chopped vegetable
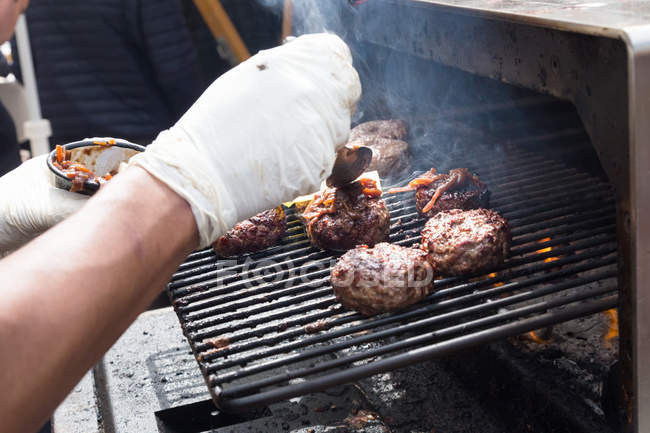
[[76, 171], [416, 183], [59, 153], [370, 188], [456, 177]]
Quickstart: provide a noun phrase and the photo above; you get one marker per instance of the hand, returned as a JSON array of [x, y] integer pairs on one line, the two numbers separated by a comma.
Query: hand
[[30, 203], [263, 133]]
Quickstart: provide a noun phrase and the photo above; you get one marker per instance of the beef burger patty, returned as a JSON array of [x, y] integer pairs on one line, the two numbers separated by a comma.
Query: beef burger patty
[[342, 218], [381, 279], [392, 128], [256, 233], [461, 242], [459, 189], [386, 139]]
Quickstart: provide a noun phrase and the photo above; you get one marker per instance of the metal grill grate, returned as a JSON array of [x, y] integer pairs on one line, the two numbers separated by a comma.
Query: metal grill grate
[[267, 327]]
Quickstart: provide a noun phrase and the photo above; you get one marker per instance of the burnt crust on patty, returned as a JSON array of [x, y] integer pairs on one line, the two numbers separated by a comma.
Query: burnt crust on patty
[[386, 139], [390, 156], [341, 218], [466, 241], [468, 192], [256, 233], [392, 128], [381, 279]]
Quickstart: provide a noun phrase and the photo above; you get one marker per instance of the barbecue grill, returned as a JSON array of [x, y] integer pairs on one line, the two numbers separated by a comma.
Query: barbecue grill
[[266, 327], [273, 316]]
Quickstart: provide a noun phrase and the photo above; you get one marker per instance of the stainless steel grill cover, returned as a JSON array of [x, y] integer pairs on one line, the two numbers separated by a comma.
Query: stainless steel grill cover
[[594, 54]]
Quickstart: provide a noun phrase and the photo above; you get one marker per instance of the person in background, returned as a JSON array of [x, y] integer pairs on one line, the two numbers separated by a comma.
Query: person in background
[[9, 147], [5, 68], [10, 10], [263, 133], [123, 68]]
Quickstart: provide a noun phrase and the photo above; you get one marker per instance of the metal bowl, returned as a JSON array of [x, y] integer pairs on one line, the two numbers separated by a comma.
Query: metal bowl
[[96, 154]]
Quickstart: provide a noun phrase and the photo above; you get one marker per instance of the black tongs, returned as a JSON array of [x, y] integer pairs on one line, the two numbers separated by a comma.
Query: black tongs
[[351, 162]]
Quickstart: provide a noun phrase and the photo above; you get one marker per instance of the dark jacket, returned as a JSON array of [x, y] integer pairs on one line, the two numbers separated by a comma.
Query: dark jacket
[[9, 149], [5, 68], [123, 68]]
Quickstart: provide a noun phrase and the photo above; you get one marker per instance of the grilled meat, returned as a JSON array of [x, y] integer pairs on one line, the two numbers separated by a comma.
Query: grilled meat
[[256, 233], [457, 190], [466, 241], [386, 139], [342, 218], [389, 156], [381, 279], [395, 129]]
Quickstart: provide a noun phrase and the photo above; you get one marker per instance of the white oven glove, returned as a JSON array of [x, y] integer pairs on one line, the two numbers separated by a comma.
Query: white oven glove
[[262, 134], [30, 203]]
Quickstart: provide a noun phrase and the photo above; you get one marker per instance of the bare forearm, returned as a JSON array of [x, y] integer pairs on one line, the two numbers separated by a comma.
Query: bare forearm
[[68, 295]]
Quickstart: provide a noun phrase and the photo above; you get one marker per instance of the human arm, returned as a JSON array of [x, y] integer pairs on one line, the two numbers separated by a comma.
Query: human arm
[[261, 134], [69, 294], [258, 136]]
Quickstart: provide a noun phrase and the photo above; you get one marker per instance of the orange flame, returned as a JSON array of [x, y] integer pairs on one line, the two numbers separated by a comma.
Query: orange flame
[[546, 250], [498, 284], [612, 330], [536, 338]]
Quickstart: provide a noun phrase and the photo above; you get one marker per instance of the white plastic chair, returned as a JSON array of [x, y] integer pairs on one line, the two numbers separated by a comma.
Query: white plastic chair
[[22, 101]]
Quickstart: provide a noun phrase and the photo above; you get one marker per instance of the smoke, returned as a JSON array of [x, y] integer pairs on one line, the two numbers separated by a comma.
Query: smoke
[[386, 79], [395, 84], [316, 16], [452, 116]]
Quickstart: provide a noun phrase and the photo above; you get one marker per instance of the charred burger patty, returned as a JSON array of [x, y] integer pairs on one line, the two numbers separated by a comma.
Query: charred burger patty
[[381, 279], [386, 139], [460, 242], [256, 233], [394, 129], [434, 192], [458, 190], [342, 218], [389, 156]]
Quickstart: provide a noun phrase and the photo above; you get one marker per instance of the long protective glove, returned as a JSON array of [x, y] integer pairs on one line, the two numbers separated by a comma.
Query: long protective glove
[[263, 133], [30, 203], [270, 137]]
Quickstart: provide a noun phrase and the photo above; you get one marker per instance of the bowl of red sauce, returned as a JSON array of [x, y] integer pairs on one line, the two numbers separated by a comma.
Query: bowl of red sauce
[[84, 166]]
